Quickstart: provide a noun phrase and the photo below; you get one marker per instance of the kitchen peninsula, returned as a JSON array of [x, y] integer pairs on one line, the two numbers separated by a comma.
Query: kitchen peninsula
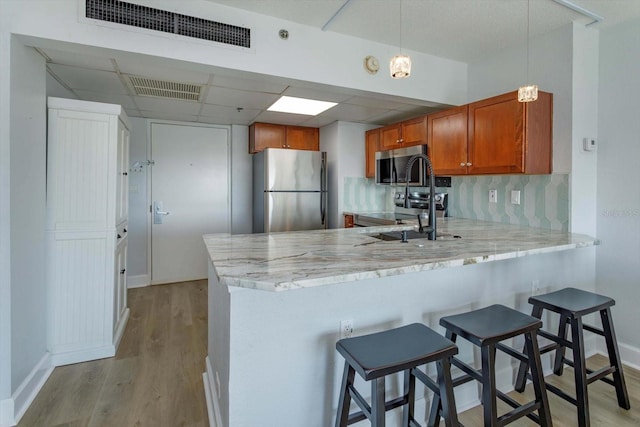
[[276, 302]]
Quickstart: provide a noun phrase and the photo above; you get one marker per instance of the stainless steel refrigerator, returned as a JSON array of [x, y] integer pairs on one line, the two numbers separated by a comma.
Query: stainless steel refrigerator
[[289, 190]]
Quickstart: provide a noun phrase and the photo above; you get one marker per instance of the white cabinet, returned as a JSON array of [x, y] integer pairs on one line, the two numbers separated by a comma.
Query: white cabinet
[[87, 208]]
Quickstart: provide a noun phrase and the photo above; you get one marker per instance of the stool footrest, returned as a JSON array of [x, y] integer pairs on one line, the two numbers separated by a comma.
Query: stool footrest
[[469, 370], [424, 378], [511, 352], [519, 412], [514, 404], [555, 338], [366, 408], [600, 374], [593, 329]]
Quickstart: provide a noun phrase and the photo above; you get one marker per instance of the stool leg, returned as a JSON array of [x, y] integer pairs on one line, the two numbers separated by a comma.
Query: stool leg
[[614, 358], [410, 393], [377, 402], [489, 407], [345, 397], [521, 378], [580, 372], [436, 402], [446, 393], [558, 364], [531, 342]]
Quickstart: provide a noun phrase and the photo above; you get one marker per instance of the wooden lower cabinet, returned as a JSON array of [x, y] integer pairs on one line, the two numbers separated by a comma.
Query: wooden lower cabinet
[[348, 221], [371, 146], [268, 135]]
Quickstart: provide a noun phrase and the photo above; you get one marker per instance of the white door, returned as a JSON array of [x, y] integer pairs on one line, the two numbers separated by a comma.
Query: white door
[[189, 196]]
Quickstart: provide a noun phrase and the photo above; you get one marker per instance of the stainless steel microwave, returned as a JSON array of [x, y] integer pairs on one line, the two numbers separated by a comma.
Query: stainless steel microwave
[[391, 166]]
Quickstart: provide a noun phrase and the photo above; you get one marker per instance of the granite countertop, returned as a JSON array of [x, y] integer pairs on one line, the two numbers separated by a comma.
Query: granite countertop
[[303, 259]]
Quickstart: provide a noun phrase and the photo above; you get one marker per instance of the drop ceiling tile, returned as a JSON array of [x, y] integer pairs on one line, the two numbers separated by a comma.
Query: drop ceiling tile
[[352, 113], [240, 98], [79, 60], [145, 66], [227, 115], [91, 80], [108, 97], [317, 94], [249, 84], [318, 121], [163, 105]]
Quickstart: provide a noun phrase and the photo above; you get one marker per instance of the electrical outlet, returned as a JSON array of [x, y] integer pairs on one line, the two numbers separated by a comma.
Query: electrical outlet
[[346, 328], [515, 197], [493, 196]]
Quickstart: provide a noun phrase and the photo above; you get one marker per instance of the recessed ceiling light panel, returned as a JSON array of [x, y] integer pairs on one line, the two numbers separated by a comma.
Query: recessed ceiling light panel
[[309, 107]]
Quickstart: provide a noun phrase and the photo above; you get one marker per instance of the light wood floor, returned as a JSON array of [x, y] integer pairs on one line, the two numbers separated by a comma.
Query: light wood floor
[[155, 379]]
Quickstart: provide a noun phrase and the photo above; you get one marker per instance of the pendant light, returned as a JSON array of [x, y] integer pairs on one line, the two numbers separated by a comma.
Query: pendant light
[[529, 92], [400, 65]]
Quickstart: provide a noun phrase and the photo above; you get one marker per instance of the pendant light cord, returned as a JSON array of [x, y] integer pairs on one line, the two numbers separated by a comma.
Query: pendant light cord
[[528, 36]]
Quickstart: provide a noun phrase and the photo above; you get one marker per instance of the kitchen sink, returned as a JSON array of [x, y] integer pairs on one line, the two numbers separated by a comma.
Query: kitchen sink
[[412, 234]]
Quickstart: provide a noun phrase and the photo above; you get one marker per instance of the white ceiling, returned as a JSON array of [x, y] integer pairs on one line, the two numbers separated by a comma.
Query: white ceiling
[[464, 30]]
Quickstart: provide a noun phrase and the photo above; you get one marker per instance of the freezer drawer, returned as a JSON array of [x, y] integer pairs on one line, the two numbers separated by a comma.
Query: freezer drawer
[[294, 211]]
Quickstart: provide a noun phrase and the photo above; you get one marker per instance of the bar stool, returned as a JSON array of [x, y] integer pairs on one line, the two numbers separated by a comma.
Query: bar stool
[[485, 328], [377, 355], [572, 304]]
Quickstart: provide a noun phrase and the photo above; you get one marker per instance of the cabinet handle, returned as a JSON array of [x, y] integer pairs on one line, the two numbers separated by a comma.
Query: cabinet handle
[[125, 173], [122, 271], [125, 230], [468, 164], [462, 164], [119, 236]]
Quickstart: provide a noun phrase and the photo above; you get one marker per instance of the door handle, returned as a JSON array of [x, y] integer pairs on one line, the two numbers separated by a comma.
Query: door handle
[[158, 213]]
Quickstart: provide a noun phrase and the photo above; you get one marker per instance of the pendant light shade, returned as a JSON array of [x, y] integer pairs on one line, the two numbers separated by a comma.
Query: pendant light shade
[[529, 92], [400, 66]]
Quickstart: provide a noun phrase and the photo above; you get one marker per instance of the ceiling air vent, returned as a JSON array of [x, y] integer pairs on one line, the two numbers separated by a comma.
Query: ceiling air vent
[[168, 22], [144, 86]]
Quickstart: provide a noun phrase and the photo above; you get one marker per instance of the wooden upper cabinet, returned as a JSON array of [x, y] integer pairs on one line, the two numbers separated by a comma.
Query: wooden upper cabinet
[[404, 134], [371, 146], [447, 141], [303, 138], [267, 135], [507, 136]]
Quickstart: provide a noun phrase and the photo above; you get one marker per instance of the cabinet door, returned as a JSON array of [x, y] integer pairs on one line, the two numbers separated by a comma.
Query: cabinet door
[[496, 135], [390, 137], [371, 144], [266, 135], [122, 174], [120, 285], [303, 138], [447, 141], [414, 132]]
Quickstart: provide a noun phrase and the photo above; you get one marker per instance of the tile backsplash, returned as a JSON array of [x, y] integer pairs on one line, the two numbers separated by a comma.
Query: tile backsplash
[[544, 199]]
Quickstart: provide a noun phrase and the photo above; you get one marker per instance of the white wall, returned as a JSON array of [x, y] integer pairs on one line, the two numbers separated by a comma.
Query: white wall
[[618, 214], [344, 144], [241, 181]]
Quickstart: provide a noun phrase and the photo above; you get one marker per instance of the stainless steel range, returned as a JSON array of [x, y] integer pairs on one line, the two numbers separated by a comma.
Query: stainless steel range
[[419, 205]]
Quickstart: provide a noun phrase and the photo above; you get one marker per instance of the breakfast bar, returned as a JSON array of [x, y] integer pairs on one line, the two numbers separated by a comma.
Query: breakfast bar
[[276, 302]]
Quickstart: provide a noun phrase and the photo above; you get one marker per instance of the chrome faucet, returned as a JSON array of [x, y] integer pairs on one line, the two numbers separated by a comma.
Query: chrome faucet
[[431, 229]]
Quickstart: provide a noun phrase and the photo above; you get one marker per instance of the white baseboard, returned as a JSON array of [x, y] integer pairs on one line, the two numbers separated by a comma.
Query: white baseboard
[[139, 281], [30, 387], [6, 413], [83, 355], [211, 395], [630, 355]]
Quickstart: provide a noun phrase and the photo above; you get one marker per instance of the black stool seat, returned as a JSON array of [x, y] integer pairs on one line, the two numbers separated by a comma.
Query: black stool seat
[[377, 355], [572, 304], [486, 327]]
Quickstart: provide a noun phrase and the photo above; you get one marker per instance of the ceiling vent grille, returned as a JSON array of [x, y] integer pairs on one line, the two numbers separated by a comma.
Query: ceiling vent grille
[[144, 86], [168, 22]]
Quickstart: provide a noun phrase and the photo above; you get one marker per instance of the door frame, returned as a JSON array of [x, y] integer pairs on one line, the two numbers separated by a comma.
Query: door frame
[[150, 122]]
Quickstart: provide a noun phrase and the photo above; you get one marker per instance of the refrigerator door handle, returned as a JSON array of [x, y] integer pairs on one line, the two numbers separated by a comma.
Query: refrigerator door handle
[[323, 189]]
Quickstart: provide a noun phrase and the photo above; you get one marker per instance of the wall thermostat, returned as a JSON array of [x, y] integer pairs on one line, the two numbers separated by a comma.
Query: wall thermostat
[[589, 144]]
